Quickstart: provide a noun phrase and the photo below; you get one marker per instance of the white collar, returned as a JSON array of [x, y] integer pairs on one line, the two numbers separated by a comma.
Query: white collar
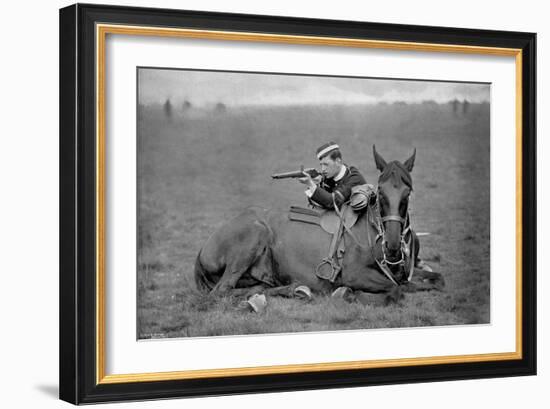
[[340, 174]]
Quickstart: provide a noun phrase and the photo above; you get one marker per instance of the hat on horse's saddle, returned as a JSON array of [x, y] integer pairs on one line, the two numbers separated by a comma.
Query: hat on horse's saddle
[[325, 149]]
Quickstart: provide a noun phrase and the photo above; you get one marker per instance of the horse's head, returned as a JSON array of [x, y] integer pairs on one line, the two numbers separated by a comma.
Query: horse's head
[[394, 188]]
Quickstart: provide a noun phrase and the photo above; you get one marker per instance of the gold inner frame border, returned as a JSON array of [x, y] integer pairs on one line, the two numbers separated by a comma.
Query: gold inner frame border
[[101, 33]]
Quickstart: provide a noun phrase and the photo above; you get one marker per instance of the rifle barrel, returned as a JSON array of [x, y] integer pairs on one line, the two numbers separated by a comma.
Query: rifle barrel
[[295, 174]]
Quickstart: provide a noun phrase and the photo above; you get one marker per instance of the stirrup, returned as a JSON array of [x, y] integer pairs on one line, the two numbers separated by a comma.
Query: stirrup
[[328, 269]]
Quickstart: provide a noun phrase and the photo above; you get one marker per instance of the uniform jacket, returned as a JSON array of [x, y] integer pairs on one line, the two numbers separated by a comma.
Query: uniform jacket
[[322, 196]]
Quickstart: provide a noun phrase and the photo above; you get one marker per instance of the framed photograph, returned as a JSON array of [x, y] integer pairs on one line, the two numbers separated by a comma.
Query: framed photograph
[[258, 203]]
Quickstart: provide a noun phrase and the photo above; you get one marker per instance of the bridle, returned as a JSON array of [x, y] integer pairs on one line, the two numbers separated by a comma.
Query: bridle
[[405, 227], [406, 249]]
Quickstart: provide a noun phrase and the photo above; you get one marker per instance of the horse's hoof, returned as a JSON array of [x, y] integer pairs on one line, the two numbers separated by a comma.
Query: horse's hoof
[[257, 302], [423, 266], [343, 293], [303, 292]]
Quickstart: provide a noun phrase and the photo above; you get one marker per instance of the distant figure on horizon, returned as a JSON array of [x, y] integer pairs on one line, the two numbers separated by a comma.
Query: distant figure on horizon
[[465, 107], [455, 106], [168, 108], [220, 107]]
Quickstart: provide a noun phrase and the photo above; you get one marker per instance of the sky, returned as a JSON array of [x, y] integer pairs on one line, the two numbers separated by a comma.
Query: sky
[[205, 88]]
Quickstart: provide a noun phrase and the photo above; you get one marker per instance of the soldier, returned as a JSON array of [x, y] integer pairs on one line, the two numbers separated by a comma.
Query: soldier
[[336, 179]]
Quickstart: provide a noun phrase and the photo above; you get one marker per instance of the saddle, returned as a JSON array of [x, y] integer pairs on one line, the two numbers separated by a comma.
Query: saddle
[[333, 223], [328, 220]]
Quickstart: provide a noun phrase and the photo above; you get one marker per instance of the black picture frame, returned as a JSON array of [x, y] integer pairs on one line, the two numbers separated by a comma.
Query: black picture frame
[[78, 197]]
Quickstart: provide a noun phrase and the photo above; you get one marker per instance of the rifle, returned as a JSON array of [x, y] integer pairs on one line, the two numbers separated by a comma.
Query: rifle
[[297, 174]]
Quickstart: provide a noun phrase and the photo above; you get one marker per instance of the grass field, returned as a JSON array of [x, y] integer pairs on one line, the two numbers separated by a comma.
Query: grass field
[[200, 167]]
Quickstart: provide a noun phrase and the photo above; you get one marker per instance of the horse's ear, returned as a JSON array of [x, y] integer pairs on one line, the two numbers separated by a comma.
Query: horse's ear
[[409, 163], [379, 160]]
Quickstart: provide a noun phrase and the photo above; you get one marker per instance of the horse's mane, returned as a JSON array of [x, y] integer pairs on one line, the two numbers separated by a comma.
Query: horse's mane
[[396, 171]]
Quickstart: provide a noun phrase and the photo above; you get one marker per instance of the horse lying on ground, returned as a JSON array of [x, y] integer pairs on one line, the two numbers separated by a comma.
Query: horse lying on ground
[[264, 251]]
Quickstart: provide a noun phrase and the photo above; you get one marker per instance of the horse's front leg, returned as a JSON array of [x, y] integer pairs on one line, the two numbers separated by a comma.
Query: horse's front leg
[[247, 292], [393, 296], [372, 287], [366, 279], [427, 280]]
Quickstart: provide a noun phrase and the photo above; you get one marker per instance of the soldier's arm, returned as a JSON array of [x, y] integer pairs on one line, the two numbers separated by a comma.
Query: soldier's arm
[[323, 198], [341, 194]]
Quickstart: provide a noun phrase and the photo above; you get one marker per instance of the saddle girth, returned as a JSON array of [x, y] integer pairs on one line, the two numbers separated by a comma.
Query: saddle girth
[[334, 223]]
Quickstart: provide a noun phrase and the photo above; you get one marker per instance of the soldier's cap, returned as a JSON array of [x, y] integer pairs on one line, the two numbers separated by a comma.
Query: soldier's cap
[[326, 148]]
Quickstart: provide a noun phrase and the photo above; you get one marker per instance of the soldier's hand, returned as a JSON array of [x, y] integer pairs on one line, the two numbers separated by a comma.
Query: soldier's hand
[[307, 180]]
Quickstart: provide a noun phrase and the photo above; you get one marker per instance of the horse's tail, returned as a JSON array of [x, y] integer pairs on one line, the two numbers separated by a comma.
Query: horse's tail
[[202, 283]]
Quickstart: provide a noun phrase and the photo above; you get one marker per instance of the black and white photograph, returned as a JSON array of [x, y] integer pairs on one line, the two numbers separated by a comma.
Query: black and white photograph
[[275, 204], [282, 203]]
